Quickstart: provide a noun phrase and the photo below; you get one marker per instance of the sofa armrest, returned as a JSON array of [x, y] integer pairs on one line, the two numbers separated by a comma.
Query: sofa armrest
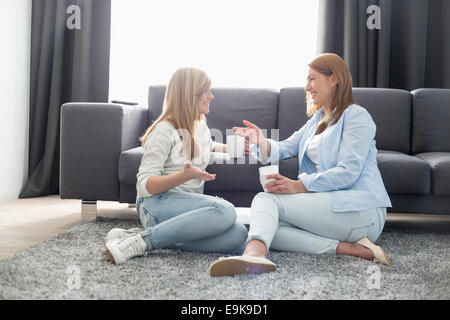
[[93, 135]]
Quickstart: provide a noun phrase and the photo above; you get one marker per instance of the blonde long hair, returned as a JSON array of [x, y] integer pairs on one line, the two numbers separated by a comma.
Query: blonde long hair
[[331, 64], [180, 106]]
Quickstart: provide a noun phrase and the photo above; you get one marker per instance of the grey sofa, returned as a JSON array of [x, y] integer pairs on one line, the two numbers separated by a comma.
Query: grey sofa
[[101, 153]]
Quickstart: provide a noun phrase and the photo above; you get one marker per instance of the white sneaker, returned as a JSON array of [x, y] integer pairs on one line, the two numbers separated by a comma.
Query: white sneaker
[[122, 250], [118, 233]]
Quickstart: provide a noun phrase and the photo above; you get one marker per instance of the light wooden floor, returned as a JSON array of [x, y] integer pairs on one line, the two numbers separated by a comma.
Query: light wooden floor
[[25, 222]]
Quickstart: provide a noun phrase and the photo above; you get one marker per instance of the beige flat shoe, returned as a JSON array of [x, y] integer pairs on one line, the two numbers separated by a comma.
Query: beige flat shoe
[[380, 255], [231, 266]]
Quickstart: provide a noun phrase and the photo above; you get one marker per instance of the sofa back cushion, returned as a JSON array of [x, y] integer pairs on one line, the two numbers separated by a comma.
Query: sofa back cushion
[[430, 120], [389, 108], [155, 102], [391, 111], [227, 110], [292, 111], [229, 107]]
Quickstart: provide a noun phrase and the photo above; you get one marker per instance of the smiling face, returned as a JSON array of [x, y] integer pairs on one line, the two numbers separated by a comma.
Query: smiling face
[[321, 88], [204, 100]]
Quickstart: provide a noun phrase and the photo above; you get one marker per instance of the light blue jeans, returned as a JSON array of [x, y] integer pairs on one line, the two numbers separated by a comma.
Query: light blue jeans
[[305, 222], [190, 222]]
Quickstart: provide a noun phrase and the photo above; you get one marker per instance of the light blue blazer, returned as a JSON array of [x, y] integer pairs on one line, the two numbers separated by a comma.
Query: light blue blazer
[[347, 159]]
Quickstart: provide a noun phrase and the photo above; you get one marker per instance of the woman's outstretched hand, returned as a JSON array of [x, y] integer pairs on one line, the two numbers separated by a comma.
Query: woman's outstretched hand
[[253, 135], [284, 185], [192, 172], [251, 131]]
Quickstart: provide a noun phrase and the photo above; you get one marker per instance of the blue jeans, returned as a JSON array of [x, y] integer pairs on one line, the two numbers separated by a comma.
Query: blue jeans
[[191, 222], [305, 222]]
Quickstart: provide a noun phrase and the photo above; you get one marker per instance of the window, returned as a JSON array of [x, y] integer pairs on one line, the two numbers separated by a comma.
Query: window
[[238, 43]]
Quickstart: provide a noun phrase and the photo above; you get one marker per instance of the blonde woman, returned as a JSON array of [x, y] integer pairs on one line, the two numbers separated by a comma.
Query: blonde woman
[[172, 207], [338, 203]]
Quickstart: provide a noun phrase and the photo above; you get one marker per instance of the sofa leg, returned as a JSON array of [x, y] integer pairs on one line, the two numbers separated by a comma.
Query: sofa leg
[[88, 210]]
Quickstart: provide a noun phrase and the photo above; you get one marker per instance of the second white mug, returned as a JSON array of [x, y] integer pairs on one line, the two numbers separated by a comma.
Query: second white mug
[[265, 171]]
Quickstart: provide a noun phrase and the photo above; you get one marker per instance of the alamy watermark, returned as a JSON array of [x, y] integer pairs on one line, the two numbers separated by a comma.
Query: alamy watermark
[[373, 277], [374, 20], [73, 22], [74, 279], [179, 156]]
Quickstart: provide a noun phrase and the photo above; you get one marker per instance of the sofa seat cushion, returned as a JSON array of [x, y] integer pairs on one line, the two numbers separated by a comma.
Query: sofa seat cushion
[[245, 176], [129, 162], [229, 176], [401, 173], [404, 174], [234, 176], [440, 171]]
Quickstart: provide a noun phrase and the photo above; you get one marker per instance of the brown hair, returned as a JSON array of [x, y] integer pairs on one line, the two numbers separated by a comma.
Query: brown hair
[[179, 107], [331, 64]]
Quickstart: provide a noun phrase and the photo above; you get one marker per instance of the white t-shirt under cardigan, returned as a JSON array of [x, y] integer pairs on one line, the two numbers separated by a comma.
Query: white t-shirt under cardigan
[[163, 156], [313, 146], [311, 150]]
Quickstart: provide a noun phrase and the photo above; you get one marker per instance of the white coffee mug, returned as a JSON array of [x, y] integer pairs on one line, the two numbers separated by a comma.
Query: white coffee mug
[[265, 171], [236, 146]]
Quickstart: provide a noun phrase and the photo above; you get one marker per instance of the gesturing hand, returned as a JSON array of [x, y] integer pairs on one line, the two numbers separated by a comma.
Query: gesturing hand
[[251, 132], [284, 185], [195, 173]]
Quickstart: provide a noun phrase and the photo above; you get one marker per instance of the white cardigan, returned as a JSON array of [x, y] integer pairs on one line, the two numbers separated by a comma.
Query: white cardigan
[[162, 156]]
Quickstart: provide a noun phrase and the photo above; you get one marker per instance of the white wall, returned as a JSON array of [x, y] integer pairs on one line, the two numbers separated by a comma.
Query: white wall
[[15, 34]]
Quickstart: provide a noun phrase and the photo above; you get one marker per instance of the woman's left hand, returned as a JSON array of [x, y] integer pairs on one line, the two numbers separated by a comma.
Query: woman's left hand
[[284, 185]]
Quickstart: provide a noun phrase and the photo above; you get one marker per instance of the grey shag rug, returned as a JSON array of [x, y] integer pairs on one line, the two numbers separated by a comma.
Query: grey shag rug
[[74, 265]]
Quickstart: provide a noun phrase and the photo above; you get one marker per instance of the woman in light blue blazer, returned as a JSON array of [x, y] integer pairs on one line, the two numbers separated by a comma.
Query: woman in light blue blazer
[[337, 204]]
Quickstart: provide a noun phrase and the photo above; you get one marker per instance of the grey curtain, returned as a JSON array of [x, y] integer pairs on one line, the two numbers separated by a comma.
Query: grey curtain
[[69, 62], [410, 50]]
